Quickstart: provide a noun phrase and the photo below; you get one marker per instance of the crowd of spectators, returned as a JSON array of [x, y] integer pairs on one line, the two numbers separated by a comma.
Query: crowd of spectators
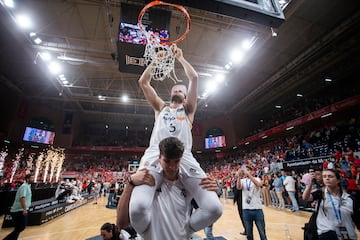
[[338, 144], [303, 106]]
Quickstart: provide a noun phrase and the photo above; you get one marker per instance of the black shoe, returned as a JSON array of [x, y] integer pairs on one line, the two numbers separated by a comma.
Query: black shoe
[[243, 233]]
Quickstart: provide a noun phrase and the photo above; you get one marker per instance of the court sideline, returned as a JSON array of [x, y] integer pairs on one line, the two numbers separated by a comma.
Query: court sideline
[[85, 222]]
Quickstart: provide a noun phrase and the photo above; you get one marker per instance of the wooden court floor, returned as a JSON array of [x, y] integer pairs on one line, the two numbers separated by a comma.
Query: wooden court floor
[[85, 222]]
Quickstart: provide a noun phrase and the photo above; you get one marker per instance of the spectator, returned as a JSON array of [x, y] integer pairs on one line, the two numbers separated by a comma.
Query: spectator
[[20, 207]]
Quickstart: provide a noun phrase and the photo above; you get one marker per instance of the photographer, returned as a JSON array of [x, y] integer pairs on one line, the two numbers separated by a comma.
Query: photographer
[[315, 184], [251, 202]]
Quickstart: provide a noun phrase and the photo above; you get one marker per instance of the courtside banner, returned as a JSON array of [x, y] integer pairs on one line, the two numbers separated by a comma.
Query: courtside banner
[[305, 163]]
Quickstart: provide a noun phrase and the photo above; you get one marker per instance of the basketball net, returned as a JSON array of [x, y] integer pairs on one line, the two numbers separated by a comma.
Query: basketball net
[[161, 60], [159, 55]]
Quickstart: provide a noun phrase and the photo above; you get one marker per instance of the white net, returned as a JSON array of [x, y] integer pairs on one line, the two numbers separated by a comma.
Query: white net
[[162, 60]]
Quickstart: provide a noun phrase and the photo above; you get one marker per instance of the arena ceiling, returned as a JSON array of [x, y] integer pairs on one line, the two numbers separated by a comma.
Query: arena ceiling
[[318, 40]]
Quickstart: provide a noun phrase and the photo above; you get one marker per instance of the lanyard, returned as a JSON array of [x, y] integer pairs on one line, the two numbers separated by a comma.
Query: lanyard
[[248, 184], [337, 213]]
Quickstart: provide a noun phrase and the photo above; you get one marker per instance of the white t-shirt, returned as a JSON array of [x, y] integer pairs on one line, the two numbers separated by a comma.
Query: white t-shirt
[[252, 193], [289, 184], [328, 221], [170, 213]]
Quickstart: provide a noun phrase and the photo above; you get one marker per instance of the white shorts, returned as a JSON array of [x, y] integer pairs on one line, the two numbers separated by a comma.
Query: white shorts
[[188, 165]]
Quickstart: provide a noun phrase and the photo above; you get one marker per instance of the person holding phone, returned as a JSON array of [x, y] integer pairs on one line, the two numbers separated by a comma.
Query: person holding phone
[[251, 202]]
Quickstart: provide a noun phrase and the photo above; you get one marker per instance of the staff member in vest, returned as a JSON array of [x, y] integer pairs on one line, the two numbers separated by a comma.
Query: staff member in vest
[[19, 209]]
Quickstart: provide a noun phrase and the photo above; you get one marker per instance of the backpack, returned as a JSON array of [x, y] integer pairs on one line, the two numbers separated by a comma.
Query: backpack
[[356, 213], [310, 228]]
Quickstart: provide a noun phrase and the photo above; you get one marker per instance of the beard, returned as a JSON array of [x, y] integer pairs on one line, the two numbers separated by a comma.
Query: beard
[[176, 99]]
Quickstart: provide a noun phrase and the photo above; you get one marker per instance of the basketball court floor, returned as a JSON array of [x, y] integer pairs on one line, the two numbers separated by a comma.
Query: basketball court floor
[[85, 222]]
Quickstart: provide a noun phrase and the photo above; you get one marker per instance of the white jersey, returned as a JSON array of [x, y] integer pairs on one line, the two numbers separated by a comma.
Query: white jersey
[[172, 122], [170, 218]]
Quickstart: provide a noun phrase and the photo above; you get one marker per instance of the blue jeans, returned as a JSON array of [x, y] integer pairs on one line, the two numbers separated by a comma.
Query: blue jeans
[[208, 232], [256, 216], [110, 199], [295, 205]]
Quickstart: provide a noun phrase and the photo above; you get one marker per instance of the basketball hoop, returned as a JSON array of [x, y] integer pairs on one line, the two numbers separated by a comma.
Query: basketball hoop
[[160, 54], [179, 7]]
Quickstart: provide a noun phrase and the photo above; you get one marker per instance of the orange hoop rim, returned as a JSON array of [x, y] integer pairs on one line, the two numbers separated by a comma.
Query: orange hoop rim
[[155, 3]]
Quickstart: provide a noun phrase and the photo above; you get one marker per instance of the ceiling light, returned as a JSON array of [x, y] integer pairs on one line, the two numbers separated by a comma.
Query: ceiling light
[[205, 74], [326, 115], [62, 77], [45, 56], [227, 66], [32, 34], [211, 86], [219, 78], [37, 40], [289, 128], [237, 56], [23, 21], [9, 3], [65, 82], [246, 44], [299, 95], [273, 33], [282, 1], [125, 98], [247, 143], [328, 80], [205, 94], [101, 98], [54, 67], [263, 137], [278, 106]]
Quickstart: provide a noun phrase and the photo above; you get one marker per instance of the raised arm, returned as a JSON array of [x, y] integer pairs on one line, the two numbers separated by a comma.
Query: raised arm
[[191, 98], [149, 92], [238, 182]]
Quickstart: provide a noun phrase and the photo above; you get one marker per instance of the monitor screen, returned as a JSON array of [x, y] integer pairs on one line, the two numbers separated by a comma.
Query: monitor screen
[[38, 136], [215, 142], [155, 21]]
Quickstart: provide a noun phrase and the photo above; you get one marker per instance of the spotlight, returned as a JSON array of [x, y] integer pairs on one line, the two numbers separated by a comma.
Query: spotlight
[[38, 40], [9, 3], [273, 33], [23, 21]]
